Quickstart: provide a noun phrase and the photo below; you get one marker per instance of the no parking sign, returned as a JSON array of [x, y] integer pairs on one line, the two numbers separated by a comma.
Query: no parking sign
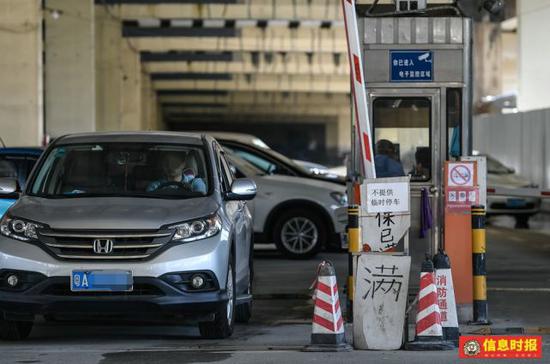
[[461, 189], [461, 174]]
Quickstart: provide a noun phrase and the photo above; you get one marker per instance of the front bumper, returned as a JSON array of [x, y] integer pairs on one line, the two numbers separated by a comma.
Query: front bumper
[[151, 297], [500, 205], [210, 254]]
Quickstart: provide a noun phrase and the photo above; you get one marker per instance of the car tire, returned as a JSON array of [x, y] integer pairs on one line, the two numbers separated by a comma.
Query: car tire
[[15, 330], [224, 319], [287, 229], [522, 221]]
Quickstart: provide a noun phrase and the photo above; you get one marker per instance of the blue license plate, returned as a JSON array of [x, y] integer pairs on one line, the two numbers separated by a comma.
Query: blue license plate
[[516, 202], [101, 281]]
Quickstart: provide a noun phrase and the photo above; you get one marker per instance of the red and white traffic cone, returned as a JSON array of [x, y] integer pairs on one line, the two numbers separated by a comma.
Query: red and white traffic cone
[[429, 333], [328, 324]]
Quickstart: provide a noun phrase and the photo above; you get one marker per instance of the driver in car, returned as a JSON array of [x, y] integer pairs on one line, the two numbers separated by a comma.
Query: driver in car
[[178, 174]]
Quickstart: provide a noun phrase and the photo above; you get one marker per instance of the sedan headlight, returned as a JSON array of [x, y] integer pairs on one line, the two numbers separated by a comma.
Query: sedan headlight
[[340, 197], [19, 229], [197, 229]]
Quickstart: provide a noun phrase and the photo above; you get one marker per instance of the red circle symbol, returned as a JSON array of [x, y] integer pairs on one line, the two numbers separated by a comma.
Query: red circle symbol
[[461, 175]]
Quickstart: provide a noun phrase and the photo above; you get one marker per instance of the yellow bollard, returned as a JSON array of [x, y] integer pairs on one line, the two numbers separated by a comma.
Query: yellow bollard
[[354, 247], [481, 309]]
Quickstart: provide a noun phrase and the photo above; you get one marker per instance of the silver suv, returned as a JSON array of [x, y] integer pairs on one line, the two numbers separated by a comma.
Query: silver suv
[[128, 224]]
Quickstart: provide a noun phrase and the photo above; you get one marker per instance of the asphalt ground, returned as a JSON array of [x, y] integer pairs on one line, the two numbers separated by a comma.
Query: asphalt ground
[[518, 293]]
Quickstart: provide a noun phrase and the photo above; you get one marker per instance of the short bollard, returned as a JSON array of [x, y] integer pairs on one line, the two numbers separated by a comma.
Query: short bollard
[[481, 309], [354, 246]]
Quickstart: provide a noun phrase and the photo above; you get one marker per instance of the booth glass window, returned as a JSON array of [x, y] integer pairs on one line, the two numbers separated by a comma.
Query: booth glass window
[[454, 117], [402, 135]]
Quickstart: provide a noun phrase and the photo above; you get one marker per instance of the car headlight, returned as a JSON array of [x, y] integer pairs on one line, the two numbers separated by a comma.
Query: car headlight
[[197, 229], [19, 229], [340, 197]]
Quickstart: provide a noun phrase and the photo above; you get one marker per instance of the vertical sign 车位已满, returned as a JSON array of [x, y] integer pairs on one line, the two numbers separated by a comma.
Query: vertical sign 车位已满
[[379, 300]]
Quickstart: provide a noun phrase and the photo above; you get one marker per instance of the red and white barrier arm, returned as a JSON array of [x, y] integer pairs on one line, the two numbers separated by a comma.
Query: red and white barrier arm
[[518, 192], [358, 91]]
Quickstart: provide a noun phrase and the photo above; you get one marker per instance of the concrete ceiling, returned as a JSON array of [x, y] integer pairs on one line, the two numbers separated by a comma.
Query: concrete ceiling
[[292, 52]]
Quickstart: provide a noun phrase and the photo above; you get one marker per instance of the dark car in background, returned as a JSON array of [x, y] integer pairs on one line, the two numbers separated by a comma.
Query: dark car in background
[[258, 153]]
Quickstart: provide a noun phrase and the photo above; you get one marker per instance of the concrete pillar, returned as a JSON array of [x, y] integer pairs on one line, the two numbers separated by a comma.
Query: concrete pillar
[[21, 86], [108, 85], [344, 129], [534, 52], [338, 137], [149, 112], [339, 131], [118, 75], [131, 77], [70, 67], [487, 60], [331, 138], [509, 62]]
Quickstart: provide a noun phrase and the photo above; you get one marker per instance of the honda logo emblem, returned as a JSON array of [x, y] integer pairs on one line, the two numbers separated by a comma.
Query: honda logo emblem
[[103, 246]]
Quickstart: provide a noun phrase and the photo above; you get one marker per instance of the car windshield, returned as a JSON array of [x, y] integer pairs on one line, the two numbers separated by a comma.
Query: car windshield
[[289, 161], [122, 169], [243, 168], [268, 164], [495, 167]]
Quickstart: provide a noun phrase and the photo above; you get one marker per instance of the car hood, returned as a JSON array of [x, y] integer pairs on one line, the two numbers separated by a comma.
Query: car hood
[[302, 182], [329, 177], [509, 180], [111, 213]]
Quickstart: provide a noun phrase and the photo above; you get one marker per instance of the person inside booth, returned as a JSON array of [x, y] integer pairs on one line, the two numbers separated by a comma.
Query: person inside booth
[[385, 162], [422, 169]]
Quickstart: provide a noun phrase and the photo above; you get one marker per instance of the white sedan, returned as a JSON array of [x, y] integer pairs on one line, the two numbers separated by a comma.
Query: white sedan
[[300, 215]]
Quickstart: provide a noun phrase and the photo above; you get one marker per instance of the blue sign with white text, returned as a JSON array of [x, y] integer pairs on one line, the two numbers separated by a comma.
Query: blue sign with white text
[[411, 66]]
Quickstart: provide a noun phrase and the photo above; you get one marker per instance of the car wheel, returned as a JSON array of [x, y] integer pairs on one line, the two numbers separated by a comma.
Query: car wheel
[[15, 330], [522, 221], [244, 310], [299, 233], [224, 320]]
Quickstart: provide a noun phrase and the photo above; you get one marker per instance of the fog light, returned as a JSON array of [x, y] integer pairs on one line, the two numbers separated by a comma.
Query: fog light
[[197, 281], [13, 280]]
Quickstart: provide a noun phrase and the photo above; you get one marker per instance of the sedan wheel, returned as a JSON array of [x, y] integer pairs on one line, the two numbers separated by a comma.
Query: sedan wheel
[[299, 234]]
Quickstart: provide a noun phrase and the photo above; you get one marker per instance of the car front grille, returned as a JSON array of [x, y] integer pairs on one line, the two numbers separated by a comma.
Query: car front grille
[[113, 245]]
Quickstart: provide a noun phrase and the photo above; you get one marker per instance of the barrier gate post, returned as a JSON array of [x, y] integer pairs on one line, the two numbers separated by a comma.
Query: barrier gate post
[[362, 133]]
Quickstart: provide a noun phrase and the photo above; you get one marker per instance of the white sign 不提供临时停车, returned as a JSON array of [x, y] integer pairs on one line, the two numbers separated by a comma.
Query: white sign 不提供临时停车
[[387, 197]]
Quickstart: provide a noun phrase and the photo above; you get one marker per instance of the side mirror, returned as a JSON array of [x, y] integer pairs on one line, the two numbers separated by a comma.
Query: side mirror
[[8, 187], [242, 189]]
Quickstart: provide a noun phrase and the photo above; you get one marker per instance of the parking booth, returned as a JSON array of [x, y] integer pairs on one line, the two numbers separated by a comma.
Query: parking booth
[[418, 78]]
